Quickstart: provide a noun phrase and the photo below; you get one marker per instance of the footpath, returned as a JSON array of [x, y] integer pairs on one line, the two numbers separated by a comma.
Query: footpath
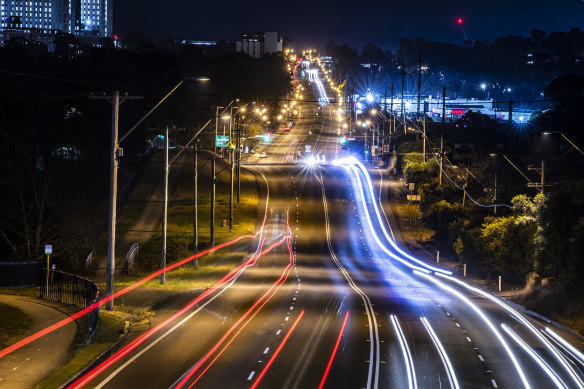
[[35, 362]]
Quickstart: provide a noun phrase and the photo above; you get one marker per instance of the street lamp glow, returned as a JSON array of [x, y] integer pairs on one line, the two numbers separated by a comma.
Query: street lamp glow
[[483, 86], [373, 111], [370, 98]]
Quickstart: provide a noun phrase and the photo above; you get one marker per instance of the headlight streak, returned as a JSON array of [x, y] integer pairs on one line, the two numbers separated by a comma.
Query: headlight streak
[[370, 224], [447, 364], [485, 319], [263, 300], [278, 350], [374, 344], [354, 161], [570, 349], [334, 353], [313, 76], [412, 382], [561, 359], [553, 376]]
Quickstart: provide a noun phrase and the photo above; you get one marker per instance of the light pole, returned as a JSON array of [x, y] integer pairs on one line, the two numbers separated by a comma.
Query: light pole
[[116, 153], [565, 138]]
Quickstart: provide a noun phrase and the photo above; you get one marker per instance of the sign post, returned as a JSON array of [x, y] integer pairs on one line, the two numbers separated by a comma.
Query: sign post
[[48, 252]]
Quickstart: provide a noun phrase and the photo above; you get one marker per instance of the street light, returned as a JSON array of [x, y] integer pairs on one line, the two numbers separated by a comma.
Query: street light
[[565, 137]]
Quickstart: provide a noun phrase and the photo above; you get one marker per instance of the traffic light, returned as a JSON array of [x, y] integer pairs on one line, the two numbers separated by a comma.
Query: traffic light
[[343, 139], [267, 137]]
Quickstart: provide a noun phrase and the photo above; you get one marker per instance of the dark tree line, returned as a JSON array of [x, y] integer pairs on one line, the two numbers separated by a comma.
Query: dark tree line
[[55, 140]]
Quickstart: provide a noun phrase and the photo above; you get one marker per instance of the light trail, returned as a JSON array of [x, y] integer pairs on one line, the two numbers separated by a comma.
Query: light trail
[[374, 344], [92, 374], [445, 360], [313, 76], [570, 349], [560, 358], [334, 353], [409, 361], [553, 376], [280, 347], [352, 162], [117, 294], [263, 300], [85, 311], [485, 319], [372, 229]]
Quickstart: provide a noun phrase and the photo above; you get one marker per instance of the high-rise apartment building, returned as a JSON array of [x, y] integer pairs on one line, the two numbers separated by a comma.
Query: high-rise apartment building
[[79, 17], [256, 44]]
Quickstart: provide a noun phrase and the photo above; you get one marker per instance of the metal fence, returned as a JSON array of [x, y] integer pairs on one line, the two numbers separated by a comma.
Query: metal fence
[[20, 274], [73, 290]]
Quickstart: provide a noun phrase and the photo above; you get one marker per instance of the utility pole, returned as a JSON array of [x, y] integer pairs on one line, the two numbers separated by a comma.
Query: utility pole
[[441, 154], [465, 185], [541, 171], [402, 95], [164, 208], [419, 81], [443, 104], [195, 204], [238, 156], [391, 109], [385, 100], [495, 196], [424, 135], [510, 110], [116, 154], [231, 189]]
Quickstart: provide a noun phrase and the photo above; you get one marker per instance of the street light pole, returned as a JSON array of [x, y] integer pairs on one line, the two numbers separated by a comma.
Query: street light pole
[[195, 204], [164, 208], [116, 153]]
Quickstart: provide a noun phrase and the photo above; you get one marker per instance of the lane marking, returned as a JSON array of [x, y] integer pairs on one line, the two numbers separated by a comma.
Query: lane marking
[[494, 383], [266, 350], [251, 375], [481, 358]]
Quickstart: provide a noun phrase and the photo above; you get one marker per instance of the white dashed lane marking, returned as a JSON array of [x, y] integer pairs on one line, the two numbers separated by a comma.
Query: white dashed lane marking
[[251, 375], [266, 350]]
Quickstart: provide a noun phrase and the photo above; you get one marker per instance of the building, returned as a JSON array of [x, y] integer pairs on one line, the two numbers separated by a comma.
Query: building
[[256, 44], [29, 18]]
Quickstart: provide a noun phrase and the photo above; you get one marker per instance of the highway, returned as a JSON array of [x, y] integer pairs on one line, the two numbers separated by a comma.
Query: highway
[[327, 298]]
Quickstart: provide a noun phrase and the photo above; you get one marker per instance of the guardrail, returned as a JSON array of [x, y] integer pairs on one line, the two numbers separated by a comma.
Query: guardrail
[[70, 289]]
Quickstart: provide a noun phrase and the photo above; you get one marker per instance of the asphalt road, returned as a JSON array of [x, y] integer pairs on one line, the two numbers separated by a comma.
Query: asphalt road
[[336, 301]]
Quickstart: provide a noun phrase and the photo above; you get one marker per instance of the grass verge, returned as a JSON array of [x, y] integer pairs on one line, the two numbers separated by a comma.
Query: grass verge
[[13, 324], [111, 327]]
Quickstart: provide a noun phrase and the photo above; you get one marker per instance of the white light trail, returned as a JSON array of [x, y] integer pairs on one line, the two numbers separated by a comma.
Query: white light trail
[[527, 324], [313, 76], [485, 319], [412, 383], [575, 353], [447, 364], [554, 377]]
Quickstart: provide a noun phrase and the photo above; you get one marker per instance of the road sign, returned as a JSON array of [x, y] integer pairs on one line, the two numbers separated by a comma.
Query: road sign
[[221, 140], [48, 249], [411, 186], [414, 198]]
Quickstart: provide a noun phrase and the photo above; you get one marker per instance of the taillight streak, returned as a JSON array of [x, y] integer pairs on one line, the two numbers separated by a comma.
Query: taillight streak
[[280, 347], [117, 294], [265, 298], [82, 381], [334, 353]]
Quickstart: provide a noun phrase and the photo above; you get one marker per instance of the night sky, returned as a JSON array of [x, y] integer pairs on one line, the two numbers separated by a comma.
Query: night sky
[[353, 22]]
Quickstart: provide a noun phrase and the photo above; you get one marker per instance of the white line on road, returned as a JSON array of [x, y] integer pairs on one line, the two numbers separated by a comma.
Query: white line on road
[[278, 333], [467, 338], [494, 383], [266, 350], [481, 358], [251, 375]]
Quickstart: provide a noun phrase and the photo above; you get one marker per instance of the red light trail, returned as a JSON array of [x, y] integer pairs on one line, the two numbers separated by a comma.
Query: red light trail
[[330, 362], [280, 347]]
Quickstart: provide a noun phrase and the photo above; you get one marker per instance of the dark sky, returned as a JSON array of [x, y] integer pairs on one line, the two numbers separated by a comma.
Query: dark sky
[[354, 22]]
